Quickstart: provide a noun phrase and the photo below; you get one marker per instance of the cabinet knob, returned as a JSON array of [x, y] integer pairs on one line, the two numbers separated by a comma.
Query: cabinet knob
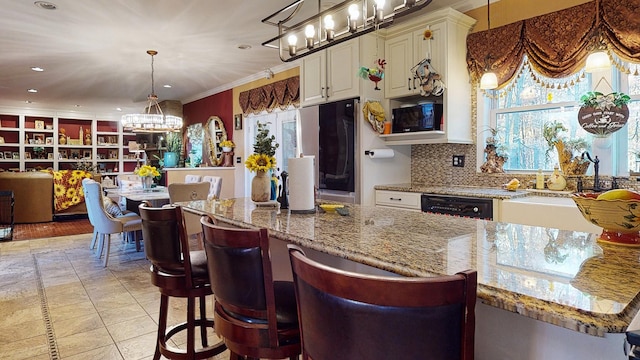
[[414, 83], [322, 92], [408, 83], [327, 92]]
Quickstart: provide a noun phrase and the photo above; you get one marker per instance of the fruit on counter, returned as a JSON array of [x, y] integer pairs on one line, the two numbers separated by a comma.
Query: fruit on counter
[[513, 184], [622, 194]]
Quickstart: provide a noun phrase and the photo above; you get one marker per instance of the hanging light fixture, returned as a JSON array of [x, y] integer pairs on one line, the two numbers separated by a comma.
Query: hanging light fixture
[[598, 60], [489, 80], [333, 25], [153, 119]]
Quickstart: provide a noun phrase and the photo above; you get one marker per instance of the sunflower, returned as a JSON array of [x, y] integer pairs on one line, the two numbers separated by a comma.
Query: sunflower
[[260, 162]]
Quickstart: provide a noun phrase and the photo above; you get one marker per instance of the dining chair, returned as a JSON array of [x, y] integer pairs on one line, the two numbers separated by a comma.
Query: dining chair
[[216, 185], [255, 315], [189, 192], [178, 273], [104, 224], [346, 315], [192, 178]]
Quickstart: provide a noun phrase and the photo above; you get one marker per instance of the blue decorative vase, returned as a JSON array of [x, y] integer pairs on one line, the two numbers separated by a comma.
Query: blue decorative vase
[[170, 159]]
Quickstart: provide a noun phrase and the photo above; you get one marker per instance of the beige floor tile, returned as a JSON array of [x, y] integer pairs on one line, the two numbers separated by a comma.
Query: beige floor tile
[[25, 348], [138, 348], [71, 311], [63, 295], [114, 316], [113, 301], [24, 330], [83, 342], [77, 324], [109, 352], [19, 316], [132, 328]]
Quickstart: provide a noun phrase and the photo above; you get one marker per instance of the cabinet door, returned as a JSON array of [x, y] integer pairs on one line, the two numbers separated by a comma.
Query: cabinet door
[[397, 76], [342, 70], [435, 49], [314, 78]]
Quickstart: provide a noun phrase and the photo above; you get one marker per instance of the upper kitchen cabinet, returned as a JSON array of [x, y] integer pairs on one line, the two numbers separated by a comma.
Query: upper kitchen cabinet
[[405, 47], [328, 75]]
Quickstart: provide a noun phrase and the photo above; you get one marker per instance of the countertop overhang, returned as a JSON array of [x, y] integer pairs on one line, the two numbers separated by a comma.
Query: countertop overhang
[[560, 277]]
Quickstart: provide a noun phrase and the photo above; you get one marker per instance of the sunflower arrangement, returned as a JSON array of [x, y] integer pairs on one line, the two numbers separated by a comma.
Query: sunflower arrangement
[[147, 171], [264, 149]]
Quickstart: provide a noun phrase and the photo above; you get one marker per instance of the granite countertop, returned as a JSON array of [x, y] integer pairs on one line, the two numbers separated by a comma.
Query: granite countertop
[[556, 276]]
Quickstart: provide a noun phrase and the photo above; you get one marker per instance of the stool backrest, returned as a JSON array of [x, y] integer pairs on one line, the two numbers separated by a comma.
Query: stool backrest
[[345, 315], [188, 191], [165, 243], [192, 178], [216, 185]]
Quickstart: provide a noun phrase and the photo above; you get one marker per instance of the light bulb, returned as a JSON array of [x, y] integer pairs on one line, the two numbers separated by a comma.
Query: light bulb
[[309, 33], [328, 26], [293, 42], [379, 10], [354, 14], [597, 61], [489, 81]]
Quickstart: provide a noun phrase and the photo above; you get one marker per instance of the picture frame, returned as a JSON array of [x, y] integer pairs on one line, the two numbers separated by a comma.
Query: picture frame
[[86, 154], [62, 154], [1, 140], [15, 155], [38, 138], [101, 140], [39, 125], [74, 154], [50, 156], [7, 155], [237, 121], [27, 156], [48, 140], [113, 154]]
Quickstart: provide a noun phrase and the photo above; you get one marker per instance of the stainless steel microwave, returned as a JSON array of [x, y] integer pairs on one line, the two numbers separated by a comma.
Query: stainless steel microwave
[[421, 117]]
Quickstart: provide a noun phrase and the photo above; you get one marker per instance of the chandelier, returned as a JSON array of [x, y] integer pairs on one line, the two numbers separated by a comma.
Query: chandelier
[[153, 119], [344, 21]]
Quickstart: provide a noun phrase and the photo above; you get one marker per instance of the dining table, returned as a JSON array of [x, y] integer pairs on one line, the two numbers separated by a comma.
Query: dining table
[[156, 196], [566, 284]]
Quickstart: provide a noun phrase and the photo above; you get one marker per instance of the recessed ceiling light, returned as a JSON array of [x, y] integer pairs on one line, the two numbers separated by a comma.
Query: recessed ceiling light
[[45, 5], [27, 101], [32, 90], [244, 47], [37, 68], [76, 105], [118, 109], [167, 86]]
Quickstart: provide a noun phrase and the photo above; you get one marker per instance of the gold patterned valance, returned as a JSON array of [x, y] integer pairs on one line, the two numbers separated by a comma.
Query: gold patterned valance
[[280, 94], [556, 44]]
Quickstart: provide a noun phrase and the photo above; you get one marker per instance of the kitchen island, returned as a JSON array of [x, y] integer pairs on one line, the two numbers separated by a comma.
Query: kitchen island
[[558, 277]]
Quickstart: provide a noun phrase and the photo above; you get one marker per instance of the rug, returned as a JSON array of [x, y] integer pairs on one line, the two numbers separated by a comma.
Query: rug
[[51, 229]]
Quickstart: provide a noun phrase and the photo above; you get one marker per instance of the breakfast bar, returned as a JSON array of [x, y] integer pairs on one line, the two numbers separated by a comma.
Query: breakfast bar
[[560, 277]]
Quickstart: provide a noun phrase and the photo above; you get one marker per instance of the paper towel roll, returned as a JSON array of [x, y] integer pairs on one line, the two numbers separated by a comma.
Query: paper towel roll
[[381, 153], [301, 184]]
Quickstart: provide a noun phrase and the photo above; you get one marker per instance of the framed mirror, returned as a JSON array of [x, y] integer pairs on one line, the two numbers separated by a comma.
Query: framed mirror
[[214, 134]]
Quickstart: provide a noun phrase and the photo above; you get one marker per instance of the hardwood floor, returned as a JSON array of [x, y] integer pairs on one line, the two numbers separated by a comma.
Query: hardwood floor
[[60, 227]]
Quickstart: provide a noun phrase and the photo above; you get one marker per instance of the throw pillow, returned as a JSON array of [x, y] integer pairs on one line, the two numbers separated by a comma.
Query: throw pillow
[[111, 207]]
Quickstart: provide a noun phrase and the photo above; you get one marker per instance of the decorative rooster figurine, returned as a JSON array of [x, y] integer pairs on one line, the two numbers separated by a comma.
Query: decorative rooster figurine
[[374, 74]]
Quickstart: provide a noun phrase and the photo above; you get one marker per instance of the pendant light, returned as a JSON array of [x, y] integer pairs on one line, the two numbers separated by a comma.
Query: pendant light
[[153, 119], [598, 60], [489, 80]]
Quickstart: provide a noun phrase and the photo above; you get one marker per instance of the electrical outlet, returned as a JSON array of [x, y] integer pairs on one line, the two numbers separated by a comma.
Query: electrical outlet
[[458, 160]]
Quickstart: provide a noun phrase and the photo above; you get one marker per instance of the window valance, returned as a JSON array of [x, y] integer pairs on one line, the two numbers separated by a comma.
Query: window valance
[[556, 44], [280, 94]]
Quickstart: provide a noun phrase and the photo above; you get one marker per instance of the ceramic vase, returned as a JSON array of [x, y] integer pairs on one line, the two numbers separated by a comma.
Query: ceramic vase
[[170, 159], [261, 187], [147, 181]]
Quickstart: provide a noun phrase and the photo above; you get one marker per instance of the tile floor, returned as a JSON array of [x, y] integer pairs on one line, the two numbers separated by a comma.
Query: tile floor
[[58, 302]]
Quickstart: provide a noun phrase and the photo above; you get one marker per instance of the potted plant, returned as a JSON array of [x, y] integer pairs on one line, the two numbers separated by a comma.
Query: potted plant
[[174, 147], [262, 160], [496, 152], [227, 145], [566, 148]]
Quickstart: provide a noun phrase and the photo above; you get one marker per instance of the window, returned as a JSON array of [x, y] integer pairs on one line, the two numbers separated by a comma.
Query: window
[[520, 113]]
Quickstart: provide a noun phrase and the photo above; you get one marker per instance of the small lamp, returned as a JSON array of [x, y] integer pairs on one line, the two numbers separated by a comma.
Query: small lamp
[[309, 33], [329, 27], [293, 41], [488, 81], [354, 14], [597, 61]]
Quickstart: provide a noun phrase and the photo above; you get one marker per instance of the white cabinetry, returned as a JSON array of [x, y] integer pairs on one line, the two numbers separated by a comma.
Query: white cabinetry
[[399, 199], [329, 75], [405, 47]]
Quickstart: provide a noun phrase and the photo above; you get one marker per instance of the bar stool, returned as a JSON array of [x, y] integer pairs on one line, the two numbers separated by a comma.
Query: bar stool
[[177, 272]]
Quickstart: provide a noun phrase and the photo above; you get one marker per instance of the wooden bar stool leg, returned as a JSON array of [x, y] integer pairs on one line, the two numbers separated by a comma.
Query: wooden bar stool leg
[[162, 325], [191, 323], [203, 321]]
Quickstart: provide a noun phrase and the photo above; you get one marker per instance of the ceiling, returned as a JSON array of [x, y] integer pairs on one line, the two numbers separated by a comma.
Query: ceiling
[[94, 52]]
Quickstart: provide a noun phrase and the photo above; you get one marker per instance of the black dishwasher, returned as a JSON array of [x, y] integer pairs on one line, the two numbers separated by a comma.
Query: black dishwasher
[[480, 208]]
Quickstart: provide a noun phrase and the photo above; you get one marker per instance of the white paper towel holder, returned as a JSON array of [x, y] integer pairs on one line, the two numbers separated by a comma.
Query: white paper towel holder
[[371, 153]]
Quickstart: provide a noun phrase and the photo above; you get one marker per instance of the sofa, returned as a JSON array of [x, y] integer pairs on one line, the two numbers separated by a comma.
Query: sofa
[[33, 192]]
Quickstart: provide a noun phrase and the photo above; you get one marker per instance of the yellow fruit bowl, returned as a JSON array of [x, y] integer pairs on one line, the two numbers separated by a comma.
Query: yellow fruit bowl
[[618, 218]]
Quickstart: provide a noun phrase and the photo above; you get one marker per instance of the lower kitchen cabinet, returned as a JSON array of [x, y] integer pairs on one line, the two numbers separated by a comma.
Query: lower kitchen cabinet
[[399, 199]]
